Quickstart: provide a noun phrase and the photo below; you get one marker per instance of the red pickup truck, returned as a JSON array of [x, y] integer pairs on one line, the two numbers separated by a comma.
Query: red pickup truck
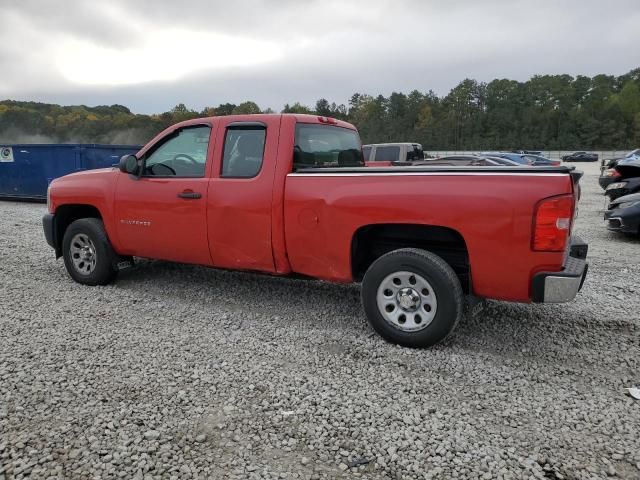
[[290, 195]]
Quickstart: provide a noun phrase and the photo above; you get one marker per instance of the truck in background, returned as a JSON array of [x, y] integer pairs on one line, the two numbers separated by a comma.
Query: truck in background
[[387, 154]]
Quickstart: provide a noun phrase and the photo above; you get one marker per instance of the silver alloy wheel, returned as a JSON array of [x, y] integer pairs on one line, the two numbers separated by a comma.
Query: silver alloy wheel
[[407, 301], [83, 254]]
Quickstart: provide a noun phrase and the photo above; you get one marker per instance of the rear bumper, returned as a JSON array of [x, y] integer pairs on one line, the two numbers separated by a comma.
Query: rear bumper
[[562, 286], [621, 220], [48, 225]]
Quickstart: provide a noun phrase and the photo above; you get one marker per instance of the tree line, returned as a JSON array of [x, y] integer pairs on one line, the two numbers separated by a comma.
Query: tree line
[[550, 112]]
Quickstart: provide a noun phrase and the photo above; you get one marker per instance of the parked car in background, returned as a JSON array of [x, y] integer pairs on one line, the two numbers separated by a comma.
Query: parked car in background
[[289, 195], [468, 160], [628, 166], [623, 187], [623, 214], [529, 159], [386, 154], [519, 158], [529, 152], [609, 163], [622, 178], [504, 161], [580, 157], [634, 154], [608, 176], [539, 160]]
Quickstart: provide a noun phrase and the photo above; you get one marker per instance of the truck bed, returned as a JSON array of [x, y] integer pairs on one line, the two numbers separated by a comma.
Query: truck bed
[[489, 208]]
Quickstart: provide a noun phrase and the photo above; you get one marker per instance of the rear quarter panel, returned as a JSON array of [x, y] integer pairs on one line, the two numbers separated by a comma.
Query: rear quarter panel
[[492, 212]]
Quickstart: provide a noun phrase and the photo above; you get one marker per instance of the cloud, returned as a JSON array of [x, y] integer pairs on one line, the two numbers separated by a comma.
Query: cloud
[[151, 55], [167, 55]]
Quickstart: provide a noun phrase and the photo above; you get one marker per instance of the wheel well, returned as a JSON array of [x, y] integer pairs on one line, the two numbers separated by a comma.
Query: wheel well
[[66, 215], [373, 241]]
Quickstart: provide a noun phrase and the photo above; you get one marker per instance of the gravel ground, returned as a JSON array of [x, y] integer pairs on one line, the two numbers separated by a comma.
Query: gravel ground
[[186, 372]]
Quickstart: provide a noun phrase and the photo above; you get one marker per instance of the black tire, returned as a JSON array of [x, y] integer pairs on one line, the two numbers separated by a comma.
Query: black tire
[[104, 271], [445, 286]]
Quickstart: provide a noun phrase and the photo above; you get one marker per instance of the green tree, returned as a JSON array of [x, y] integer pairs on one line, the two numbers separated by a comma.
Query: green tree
[[629, 99], [225, 109], [296, 108], [323, 108], [246, 108]]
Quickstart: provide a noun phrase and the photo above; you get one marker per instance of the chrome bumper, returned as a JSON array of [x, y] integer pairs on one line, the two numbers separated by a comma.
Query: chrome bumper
[[563, 286]]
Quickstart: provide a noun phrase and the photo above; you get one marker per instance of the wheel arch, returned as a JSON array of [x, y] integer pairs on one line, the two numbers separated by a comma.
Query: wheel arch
[[370, 242], [66, 214]]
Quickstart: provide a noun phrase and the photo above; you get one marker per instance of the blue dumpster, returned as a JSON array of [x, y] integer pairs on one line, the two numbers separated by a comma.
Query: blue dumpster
[[27, 170]]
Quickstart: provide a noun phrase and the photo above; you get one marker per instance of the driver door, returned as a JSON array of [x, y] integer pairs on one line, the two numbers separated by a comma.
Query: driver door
[[162, 213]]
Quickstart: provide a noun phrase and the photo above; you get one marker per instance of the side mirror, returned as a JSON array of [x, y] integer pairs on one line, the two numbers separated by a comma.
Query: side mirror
[[129, 164]]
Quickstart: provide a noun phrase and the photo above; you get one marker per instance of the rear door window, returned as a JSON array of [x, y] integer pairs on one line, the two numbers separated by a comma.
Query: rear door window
[[243, 151], [366, 153]]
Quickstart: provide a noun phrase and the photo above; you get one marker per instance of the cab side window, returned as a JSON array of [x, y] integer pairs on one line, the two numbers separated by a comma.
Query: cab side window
[[183, 154], [243, 151]]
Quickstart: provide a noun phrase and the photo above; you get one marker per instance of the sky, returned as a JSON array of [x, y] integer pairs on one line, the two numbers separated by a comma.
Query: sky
[[153, 54]]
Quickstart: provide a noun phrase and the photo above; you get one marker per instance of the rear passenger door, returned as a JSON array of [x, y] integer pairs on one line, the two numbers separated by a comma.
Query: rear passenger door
[[240, 194]]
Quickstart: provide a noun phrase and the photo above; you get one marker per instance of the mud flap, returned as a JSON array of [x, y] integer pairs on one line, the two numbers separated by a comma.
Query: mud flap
[[475, 305]]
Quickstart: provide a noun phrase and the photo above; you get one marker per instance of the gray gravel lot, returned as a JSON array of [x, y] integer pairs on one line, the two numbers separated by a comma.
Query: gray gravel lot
[[186, 372]]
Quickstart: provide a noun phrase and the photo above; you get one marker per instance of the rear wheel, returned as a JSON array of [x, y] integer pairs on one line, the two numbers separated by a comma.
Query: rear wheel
[[412, 297], [88, 255]]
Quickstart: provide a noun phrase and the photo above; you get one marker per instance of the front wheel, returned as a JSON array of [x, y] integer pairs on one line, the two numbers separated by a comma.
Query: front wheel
[[412, 297], [87, 253]]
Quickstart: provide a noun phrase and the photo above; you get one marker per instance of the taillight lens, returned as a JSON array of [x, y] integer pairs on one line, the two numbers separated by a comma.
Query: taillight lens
[[552, 223]]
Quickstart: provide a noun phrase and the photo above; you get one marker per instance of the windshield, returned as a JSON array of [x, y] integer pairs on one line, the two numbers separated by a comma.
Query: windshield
[[326, 146]]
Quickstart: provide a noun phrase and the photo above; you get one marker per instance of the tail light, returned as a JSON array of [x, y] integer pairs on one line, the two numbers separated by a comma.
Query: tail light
[[552, 223]]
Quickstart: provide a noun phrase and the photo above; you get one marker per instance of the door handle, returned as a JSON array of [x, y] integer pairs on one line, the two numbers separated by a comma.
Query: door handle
[[188, 194]]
